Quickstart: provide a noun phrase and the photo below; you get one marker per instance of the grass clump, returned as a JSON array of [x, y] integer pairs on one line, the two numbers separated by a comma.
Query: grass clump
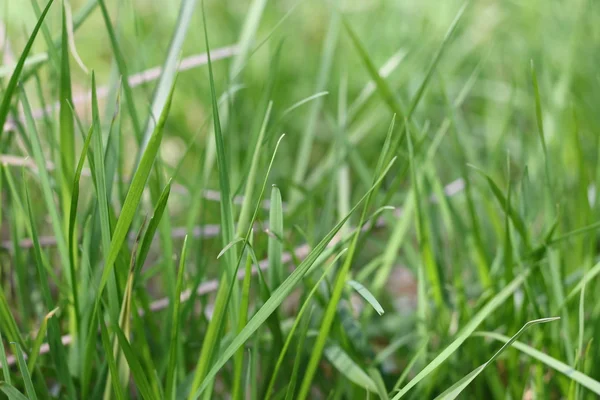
[[191, 230]]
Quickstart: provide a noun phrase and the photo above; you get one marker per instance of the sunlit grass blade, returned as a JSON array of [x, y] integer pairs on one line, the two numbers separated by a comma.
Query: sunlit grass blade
[[465, 332], [579, 377], [14, 79], [455, 390], [275, 247]]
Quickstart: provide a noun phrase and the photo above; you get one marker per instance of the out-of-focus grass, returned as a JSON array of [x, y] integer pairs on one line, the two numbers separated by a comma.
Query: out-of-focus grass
[[491, 165]]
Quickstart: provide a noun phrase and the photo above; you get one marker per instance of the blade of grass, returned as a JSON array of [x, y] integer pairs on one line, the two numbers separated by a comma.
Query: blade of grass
[[171, 380], [134, 194], [275, 247], [238, 360], [141, 379], [29, 389], [67, 128], [39, 339], [102, 200], [347, 367], [367, 295], [299, 347], [579, 377], [110, 360], [169, 69], [455, 390], [507, 207], [11, 392], [466, 331]]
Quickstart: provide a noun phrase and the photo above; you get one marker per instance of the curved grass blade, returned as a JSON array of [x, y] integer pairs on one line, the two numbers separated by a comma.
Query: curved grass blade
[[11, 392], [579, 377], [367, 295], [347, 367], [14, 79], [465, 332], [39, 338], [455, 390]]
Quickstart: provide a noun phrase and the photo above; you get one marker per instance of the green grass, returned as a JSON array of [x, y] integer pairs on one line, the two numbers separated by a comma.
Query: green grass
[[364, 199]]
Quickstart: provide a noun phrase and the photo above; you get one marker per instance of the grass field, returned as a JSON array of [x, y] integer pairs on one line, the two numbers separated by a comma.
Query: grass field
[[299, 199]]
